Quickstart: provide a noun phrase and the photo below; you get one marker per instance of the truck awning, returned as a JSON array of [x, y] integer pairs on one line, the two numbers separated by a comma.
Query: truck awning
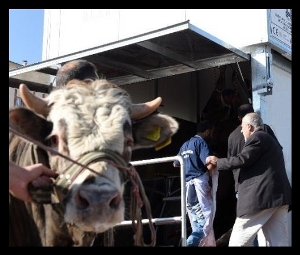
[[177, 49]]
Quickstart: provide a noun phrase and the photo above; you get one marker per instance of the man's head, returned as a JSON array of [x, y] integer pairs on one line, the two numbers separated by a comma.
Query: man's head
[[228, 96], [244, 109], [205, 129], [76, 69], [250, 123]]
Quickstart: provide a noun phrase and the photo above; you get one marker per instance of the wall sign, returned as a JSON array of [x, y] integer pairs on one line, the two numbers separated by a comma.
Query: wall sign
[[280, 28]]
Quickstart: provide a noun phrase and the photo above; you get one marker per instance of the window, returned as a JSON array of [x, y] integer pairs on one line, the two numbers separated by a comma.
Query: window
[[19, 102]]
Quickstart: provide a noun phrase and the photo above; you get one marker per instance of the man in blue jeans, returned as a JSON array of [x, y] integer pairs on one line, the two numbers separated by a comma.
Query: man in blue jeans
[[196, 217], [199, 201]]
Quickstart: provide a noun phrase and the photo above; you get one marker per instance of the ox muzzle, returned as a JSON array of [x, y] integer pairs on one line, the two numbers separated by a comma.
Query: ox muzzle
[[56, 193]]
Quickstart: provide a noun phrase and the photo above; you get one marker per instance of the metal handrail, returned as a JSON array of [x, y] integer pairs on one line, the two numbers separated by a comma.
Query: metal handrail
[[162, 221]]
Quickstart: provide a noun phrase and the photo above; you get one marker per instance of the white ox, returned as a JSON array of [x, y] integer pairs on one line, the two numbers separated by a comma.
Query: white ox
[[79, 120]]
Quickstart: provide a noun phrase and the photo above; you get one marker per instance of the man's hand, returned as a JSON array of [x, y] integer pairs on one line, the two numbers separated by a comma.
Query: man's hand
[[210, 166], [19, 178], [211, 162]]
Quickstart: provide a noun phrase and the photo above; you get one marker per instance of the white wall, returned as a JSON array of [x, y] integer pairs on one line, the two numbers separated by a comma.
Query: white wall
[[279, 112], [280, 117], [276, 111], [70, 30]]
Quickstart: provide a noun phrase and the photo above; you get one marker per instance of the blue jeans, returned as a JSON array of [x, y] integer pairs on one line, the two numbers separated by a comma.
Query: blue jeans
[[197, 221]]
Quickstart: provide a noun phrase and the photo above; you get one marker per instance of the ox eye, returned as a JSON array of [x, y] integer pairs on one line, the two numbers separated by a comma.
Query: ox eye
[[52, 141]]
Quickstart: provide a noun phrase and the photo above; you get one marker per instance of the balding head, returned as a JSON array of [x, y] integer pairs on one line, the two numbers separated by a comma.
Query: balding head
[[76, 69]]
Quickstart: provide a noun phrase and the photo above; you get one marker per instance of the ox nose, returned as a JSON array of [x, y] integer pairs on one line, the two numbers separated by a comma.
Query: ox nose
[[98, 199]]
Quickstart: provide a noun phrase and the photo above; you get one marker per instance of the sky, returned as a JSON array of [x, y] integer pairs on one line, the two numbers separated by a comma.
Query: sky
[[26, 35]]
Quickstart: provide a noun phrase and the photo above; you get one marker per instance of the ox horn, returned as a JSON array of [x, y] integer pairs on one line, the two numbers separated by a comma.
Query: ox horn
[[142, 110], [38, 105]]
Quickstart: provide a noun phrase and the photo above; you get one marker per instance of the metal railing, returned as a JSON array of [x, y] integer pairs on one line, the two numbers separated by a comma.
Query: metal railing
[[169, 220]]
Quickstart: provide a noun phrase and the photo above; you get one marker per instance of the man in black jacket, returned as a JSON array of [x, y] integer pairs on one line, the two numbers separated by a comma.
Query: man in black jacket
[[264, 191], [236, 140]]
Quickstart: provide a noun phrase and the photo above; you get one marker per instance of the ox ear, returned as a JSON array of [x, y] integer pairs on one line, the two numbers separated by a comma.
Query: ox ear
[[27, 122], [155, 130]]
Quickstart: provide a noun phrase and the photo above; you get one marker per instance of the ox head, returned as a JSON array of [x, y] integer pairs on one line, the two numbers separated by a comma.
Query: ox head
[[87, 118]]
